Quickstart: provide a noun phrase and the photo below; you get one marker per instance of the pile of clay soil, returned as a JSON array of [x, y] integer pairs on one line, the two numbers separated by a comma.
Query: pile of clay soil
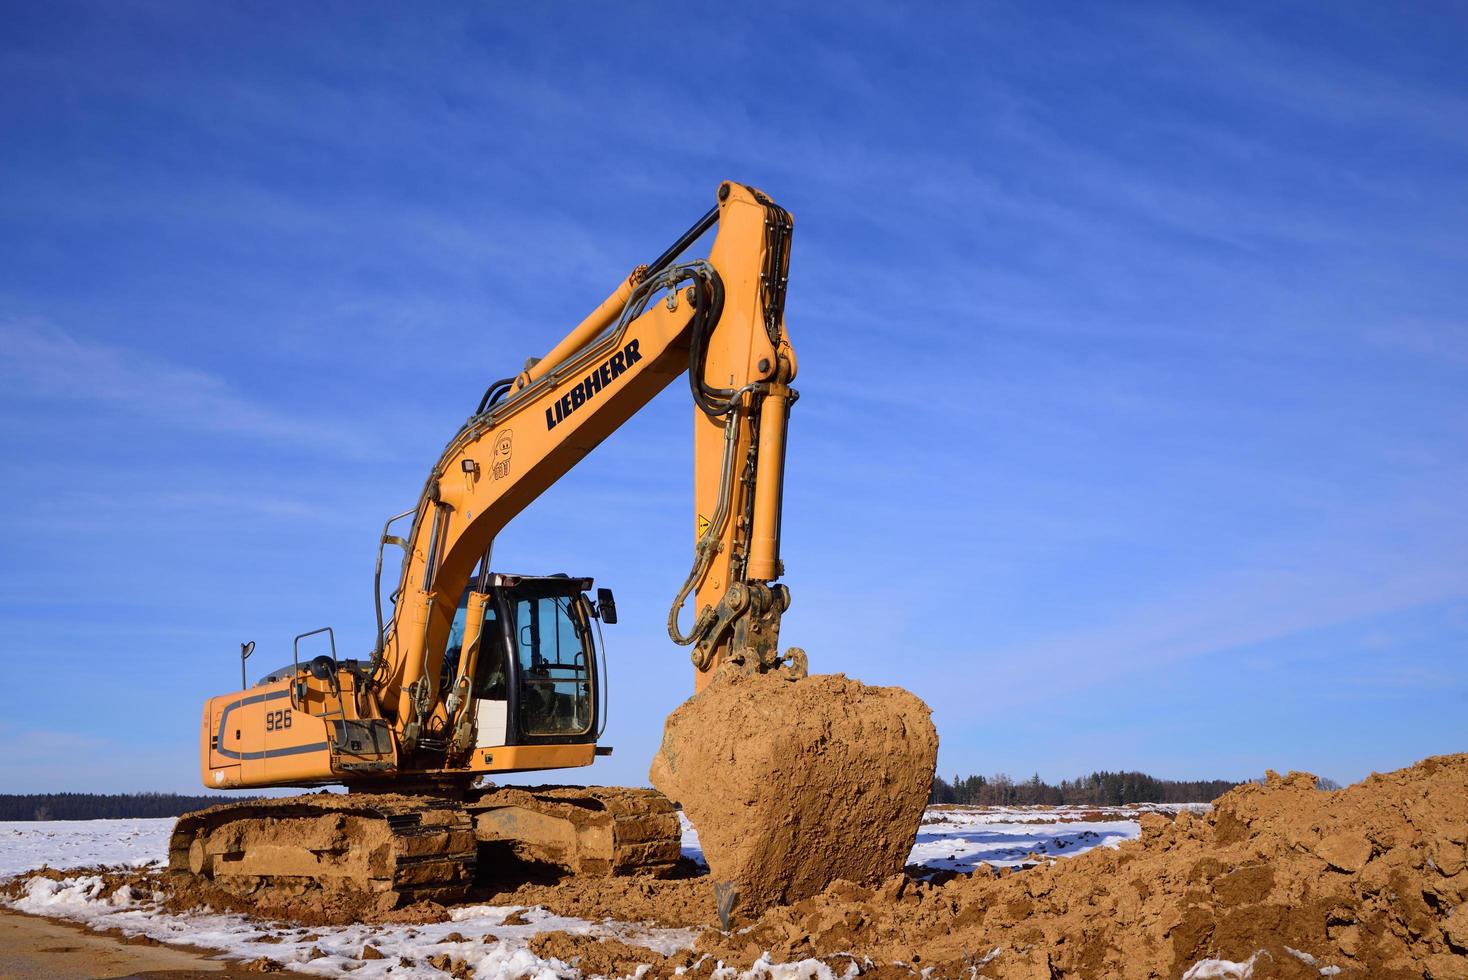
[[1368, 881], [597, 956], [677, 902], [796, 783]]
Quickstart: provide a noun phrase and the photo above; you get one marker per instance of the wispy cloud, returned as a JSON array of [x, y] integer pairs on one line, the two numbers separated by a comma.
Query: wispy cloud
[[90, 508], [1344, 582], [1443, 342], [43, 363], [1318, 85]]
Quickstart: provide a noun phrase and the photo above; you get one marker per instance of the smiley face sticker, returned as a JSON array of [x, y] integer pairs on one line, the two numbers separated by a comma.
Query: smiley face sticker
[[499, 466]]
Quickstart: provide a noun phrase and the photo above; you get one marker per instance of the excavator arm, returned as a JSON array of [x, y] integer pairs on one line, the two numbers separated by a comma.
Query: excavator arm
[[720, 322]]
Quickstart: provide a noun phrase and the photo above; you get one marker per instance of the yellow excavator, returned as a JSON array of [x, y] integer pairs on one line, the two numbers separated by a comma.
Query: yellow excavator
[[477, 671]]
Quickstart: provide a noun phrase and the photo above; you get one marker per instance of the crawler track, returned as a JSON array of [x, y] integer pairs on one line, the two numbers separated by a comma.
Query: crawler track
[[405, 849], [587, 830]]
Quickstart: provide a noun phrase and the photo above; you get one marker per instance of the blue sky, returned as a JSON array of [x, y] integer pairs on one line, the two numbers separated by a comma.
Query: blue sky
[[1134, 366]]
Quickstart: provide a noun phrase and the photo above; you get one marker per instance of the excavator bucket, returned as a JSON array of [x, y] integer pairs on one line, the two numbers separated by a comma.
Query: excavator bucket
[[795, 783]]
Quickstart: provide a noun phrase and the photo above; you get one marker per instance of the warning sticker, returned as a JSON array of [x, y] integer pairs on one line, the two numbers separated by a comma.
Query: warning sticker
[[703, 524]]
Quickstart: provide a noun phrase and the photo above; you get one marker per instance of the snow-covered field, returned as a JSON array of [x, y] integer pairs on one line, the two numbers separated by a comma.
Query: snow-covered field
[[29, 844], [960, 838], [951, 839]]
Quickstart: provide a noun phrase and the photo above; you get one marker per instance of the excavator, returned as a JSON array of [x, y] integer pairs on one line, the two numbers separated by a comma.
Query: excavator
[[477, 672]]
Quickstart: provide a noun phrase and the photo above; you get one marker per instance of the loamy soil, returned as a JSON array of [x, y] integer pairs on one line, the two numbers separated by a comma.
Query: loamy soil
[[1369, 881], [795, 783]]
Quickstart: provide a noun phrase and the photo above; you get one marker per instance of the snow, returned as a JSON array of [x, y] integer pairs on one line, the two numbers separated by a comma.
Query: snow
[[763, 969], [1309, 960], [29, 844], [1229, 970], [960, 838], [1224, 969], [1303, 957], [951, 838]]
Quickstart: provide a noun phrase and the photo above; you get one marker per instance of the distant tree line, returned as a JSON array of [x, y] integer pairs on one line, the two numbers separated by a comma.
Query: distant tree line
[[103, 806], [1097, 789]]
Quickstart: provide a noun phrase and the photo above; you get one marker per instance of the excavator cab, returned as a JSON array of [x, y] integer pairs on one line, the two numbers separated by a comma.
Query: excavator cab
[[533, 676]]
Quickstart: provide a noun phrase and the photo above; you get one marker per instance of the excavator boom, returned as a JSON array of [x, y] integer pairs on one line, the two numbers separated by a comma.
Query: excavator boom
[[719, 321]]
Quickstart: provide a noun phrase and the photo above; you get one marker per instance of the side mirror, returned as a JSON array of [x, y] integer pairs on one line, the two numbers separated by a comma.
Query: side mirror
[[245, 650], [324, 668], [606, 606]]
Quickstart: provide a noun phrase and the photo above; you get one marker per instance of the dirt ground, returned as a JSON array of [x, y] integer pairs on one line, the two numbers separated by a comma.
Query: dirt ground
[[32, 948], [1368, 881]]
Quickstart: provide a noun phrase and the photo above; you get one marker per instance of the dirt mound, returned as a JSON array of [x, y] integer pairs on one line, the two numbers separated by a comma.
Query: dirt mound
[[600, 956], [677, 902], [1368, 881], [793, 784], [322, 905]]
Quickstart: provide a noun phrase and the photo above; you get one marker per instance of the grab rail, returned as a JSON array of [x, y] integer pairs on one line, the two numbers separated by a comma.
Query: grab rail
[[296, 682]]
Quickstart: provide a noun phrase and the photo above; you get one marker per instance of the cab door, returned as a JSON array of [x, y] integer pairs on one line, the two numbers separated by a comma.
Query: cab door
[[491, 682], [554, 682]]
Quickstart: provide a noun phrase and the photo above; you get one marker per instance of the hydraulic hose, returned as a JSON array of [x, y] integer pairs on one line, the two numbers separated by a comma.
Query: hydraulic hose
[[708, 545], [494, 393]]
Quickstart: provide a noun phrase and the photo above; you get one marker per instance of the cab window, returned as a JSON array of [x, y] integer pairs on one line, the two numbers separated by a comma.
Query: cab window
[[489, 682], [454, 648], [489, 672], [553, 647]]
